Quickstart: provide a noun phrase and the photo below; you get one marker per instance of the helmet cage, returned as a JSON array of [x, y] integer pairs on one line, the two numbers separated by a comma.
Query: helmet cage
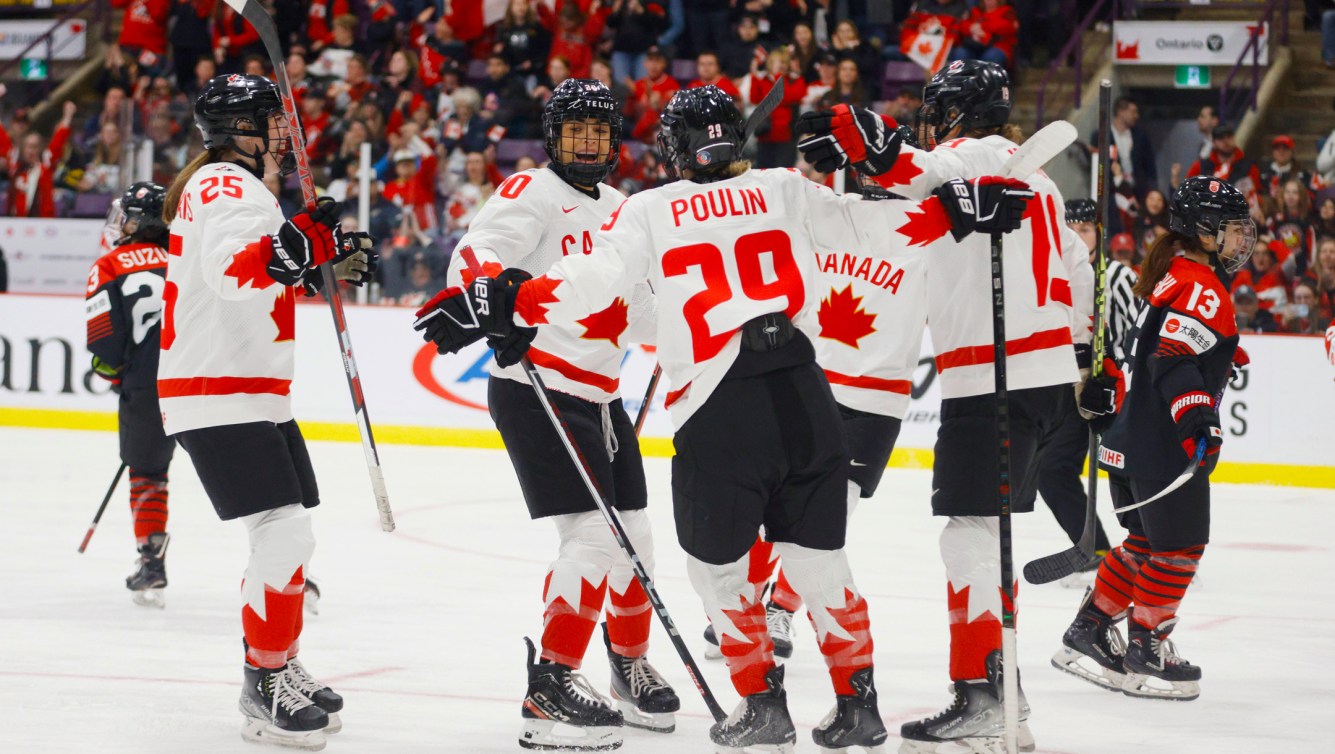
[[582, 100]]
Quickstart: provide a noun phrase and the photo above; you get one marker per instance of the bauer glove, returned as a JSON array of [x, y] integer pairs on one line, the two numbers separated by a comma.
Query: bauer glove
[[511, 348], [984, 205], [304, 242], [846, 135], [458, 317], [355, 262], [1195, 418]]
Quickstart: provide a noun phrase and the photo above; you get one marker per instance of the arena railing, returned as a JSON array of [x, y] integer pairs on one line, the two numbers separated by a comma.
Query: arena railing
[[1073, 51], [100, 17]]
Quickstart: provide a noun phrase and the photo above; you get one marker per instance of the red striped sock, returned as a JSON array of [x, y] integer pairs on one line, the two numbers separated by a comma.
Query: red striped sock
[[760, 562], [1162, 583], [783, 594], [749, 660], [569, 619], [971, 641], [629, 617], [148, 504], [269, 639], [844, 657], [1114, 587]]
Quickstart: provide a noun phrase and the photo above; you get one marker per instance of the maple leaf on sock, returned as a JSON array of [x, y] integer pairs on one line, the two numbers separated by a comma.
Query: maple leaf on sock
[[842, 317], [607, 324]]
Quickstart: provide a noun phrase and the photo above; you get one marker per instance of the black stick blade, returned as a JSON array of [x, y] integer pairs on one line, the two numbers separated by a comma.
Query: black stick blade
[[1050, 568]]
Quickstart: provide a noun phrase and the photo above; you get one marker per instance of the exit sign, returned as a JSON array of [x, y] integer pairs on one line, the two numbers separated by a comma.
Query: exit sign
[[1192, 77], [32, 69]]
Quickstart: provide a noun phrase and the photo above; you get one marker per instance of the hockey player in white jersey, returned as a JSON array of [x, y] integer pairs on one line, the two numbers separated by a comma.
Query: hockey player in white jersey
[[234, 269], [730, 253], [1048, 304], [536, 218]]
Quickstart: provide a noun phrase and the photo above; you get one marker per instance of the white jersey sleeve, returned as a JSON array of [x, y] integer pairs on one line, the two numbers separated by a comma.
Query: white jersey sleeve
[[1075, 258]]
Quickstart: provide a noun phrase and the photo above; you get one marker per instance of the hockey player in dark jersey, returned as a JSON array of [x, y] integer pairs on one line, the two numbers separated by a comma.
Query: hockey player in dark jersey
[[124, 311], [1181, 357]]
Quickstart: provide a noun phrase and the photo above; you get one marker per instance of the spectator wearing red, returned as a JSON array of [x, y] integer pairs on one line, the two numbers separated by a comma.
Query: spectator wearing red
[[355, 87], [1264, 275], [314, 123], [436, 46], [649, 95], [926, 16], [990, 32], [233, 39], [414, 184], [1227, 162], [1282, 167], [1292, 225], [575, 34], [708, 73], [776, 147], [827, 67], [320, 15], [32, 169], [144, 28]]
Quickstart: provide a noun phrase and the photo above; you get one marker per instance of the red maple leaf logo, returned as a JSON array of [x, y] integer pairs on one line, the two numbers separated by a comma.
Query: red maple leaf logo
[[248, 265], [489, 270], [842, 317], [607, 324], [903, 172], [284, 315], [1128, 52], [926, 225], [533, 298]]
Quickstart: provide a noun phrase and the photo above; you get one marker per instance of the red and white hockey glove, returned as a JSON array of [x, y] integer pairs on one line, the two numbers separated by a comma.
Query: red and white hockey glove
[[844, 135], [458, 317], [1240, 361], [510, 349], [984, 205], [1196, 419], [305, 241]]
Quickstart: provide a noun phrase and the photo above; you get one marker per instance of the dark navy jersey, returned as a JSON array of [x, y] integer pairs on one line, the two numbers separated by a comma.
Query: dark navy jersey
[[1181, 356], [124, 311]]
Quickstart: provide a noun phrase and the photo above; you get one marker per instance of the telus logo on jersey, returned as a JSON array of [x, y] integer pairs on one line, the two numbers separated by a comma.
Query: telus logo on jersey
[[720, 202]]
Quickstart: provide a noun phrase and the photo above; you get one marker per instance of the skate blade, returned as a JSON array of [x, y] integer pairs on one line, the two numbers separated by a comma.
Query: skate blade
[[854, 748], [1148, 687], [784, 748], [550, 735], [260, 732], [1082, 666], [149, 598], [1078, 580], [335, 724], [658, 722], [971, 745], [712, 652]]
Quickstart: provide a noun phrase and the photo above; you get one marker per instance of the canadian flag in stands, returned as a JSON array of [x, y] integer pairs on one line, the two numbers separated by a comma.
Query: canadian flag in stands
[[928, 45], [469, 18]]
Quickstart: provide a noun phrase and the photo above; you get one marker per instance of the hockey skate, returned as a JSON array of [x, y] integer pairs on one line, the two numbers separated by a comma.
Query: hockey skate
[[1092, 647], [310, 597], [146, 584], [712, 650], [760, 723], [277, 713], [323, 696], [562, 712], [855, 721], [1153, 668], [974, 722], [780, 624], [644, 698]]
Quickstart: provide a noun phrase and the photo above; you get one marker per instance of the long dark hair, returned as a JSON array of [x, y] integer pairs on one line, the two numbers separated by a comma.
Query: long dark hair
[[1159, 258], [178, 185]]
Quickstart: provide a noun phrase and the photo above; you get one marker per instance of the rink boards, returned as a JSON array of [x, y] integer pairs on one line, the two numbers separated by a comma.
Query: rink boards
[[1273, 417]]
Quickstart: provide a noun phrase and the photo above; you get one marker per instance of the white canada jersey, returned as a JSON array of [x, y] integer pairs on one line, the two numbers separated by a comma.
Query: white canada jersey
[[717, 255], [227, 327], [872, 311], [533, 220], [1049, 281]]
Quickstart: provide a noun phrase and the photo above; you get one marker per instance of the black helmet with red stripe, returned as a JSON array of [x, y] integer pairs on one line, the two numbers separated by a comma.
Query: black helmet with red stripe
[[1206, 206]]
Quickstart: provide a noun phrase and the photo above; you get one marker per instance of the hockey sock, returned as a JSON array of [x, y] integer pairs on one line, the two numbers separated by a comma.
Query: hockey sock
[[760, 562], [576, 586], [1162, 583], [629, 614], [280, 542], [837, 612], [733, 605], [970, 548], [148, 504], [1115, 586], [784, 595]]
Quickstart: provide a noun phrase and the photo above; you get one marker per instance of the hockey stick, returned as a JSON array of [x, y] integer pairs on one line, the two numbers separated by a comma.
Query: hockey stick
[[1182, 479], [1060, 565], [1027, 159], [254, 12], [613, 521], [97, 517], [648, 398], [767, 105]]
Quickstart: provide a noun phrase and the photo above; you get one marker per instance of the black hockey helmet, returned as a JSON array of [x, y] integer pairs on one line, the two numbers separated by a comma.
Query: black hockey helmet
[[240, 104], [580, 100], [141, 213], [701, 130], [1206, 206], [968, 93], [1081, 211]]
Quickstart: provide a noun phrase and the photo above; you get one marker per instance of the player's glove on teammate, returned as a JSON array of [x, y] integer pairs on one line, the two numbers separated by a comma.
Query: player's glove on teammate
[[1195, 419], [304, 242], [984, 205], [355, 262], [458, 317], [509, 349], [846, 135]]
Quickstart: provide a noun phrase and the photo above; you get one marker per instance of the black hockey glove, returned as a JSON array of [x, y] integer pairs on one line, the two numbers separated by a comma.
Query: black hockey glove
[[846, 135], [984, 205], [355, 262], [1195, 419], [304, 242], [1100, 398], [510, 349], [458, 317]]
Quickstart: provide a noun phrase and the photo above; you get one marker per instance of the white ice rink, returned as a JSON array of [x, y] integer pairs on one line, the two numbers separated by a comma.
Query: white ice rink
[[421, 630]]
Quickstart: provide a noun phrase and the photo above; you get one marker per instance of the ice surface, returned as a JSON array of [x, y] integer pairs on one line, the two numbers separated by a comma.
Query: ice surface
[[421, 630]]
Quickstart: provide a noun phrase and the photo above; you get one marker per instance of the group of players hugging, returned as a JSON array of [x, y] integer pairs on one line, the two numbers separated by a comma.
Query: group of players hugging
[[787, 320]]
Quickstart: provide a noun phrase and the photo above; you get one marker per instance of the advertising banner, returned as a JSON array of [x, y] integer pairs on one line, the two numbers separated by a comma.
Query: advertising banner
[[68, 43], [1186, 42], [50, 256]]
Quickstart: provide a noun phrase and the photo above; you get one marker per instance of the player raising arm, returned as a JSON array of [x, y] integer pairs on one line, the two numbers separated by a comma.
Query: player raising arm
[[1181, 356], [233, 272], [730, 255]]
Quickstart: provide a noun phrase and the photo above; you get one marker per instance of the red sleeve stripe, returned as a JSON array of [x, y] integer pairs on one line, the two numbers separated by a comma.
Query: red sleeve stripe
[[1173, 348], [181, 387], [969, 356], [1188, 401], [99, 327], [573, 373], [902, 387]]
